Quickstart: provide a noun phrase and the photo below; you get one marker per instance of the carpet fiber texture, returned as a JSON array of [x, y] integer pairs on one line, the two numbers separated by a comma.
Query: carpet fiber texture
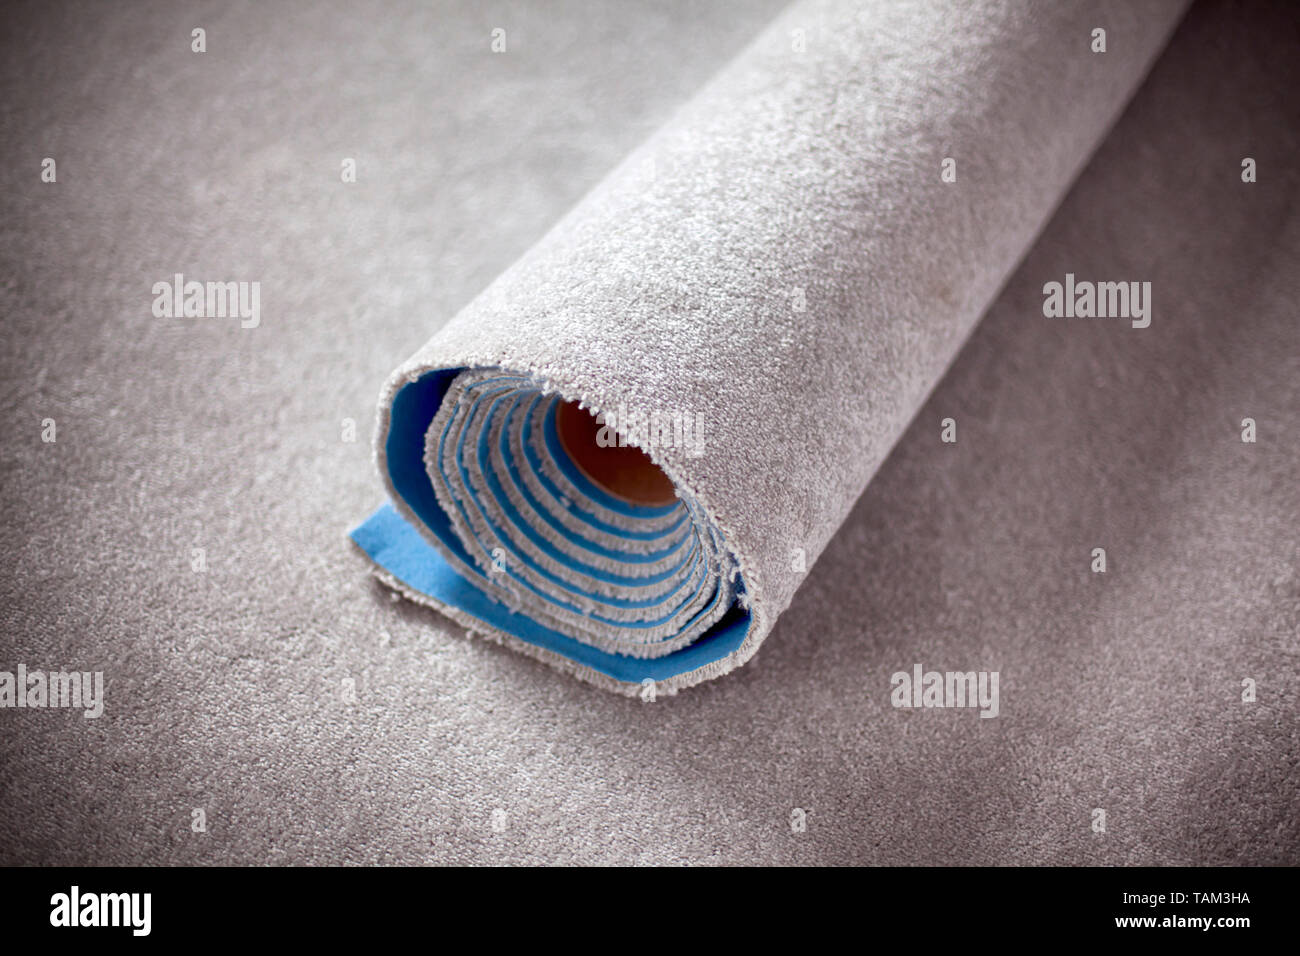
[[185, 533], [786, 263]]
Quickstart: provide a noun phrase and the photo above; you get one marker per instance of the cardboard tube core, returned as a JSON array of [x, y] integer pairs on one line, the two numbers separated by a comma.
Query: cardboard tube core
[[625, 472]]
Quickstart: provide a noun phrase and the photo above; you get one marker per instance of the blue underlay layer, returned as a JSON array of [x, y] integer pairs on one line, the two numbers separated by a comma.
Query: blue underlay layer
[[399, 548]]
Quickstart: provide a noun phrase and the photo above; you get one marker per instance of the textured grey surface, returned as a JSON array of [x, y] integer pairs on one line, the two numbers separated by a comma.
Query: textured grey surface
[[223, 689]]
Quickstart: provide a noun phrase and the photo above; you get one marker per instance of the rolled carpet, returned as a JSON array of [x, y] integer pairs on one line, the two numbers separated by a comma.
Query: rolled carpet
[[758, 299]]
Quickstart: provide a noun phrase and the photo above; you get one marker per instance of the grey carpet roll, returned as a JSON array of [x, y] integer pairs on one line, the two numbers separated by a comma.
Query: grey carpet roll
[[760, 298]]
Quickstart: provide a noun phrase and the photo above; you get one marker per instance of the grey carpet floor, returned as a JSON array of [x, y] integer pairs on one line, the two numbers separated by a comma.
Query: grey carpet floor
[[227, 689]]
